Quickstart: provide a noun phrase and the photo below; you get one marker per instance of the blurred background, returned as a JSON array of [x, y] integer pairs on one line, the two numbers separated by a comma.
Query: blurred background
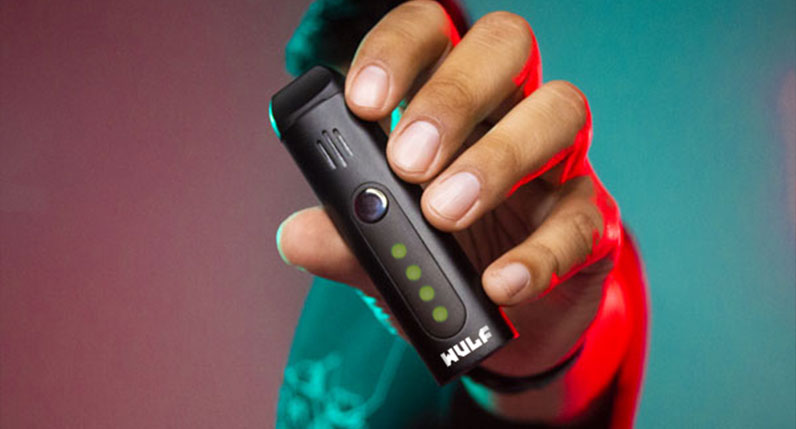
[[141, 188]]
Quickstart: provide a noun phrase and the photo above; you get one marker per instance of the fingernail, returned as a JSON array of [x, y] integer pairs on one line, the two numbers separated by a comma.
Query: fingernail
[[416, 147], [454, 196], [370, 87], [279, 243], [514, 277]]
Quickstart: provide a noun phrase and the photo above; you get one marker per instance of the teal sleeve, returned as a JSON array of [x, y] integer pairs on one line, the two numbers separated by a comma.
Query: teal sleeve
[[346, 371]]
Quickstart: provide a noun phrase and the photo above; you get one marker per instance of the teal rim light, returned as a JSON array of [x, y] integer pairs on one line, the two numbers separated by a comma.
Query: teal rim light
[[479, 393], [395, 116], [381, 316], [279, 244], [273, 121]]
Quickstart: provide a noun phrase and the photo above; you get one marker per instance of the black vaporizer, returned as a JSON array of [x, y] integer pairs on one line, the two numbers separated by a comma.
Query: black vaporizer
[[424, 276]]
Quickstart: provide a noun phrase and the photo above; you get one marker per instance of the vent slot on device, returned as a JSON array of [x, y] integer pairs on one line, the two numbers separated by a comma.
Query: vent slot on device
[[339, 137], [336, 151], [325, 154]]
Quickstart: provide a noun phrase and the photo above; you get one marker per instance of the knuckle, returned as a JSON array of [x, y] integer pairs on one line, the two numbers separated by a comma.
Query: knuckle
[[507, 24], [421, 8], [404, 21], [541, 105], [379, 42], [501, 27], [503, 153], [403, 25], [398, 33], [569, 100], [585, 227], [541, 111], [452, 94], [551, 260]]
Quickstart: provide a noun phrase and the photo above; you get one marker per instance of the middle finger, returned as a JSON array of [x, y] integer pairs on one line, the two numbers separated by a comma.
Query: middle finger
[[528, 138], [472, 82]]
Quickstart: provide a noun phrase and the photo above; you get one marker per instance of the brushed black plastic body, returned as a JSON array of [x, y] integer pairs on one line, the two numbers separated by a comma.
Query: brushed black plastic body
[[340, 155]]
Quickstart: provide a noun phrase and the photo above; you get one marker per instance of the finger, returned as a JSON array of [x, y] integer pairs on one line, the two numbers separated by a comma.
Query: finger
[[534, 132], [570, 162], [565, 240], [528, 80], [309, 239], [408, 40], [470, 83]]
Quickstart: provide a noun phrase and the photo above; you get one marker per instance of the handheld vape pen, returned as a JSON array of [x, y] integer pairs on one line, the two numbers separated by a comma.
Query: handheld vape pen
[[424, 276]]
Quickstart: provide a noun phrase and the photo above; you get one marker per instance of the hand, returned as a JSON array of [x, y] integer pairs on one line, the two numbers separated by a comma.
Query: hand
[[470, 135]]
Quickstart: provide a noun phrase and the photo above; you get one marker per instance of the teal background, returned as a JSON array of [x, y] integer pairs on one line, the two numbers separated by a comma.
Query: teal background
[[141, 188], [689, 138]]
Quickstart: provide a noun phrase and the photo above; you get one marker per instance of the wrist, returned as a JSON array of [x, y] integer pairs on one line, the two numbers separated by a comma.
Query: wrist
[[506, 384], [551, 330], [568, 396]]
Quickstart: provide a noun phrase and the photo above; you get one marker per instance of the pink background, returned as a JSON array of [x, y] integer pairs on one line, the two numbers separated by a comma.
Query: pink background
[[140, 191], [141, 188]]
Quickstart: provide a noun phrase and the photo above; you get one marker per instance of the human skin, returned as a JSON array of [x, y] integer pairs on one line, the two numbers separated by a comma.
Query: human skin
[[468, 134]]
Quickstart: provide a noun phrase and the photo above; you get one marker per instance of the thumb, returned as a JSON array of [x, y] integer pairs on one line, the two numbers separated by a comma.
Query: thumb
[[309, 240]]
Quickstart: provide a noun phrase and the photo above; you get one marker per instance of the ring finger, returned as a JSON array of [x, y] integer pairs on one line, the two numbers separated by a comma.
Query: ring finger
[[524, 141]]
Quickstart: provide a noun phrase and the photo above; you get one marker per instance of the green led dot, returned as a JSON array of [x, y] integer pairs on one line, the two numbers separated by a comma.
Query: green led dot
[[413, 272], [440, 313], [398, 250], [426, 293]]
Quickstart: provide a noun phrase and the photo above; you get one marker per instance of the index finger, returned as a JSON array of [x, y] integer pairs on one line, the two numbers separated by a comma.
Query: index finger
[[408, 40]]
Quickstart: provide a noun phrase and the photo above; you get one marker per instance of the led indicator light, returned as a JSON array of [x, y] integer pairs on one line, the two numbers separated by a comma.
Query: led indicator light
[[440, 313], [398, 250], [426, 293], [413, 272]]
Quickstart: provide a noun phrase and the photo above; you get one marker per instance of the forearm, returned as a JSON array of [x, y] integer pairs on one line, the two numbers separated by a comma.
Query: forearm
[[569, 396]]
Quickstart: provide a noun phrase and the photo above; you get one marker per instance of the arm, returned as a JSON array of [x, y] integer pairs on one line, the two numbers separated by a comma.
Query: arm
[[569, 236]]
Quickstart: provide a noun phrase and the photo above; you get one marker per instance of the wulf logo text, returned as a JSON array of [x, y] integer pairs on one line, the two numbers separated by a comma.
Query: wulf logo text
[[465, 346]]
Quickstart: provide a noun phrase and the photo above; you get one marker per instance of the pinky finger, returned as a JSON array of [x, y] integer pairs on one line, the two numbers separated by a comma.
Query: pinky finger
[[562, 243]]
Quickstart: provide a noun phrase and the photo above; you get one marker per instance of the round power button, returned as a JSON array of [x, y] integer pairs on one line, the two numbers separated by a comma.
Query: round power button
[[370, 205]]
